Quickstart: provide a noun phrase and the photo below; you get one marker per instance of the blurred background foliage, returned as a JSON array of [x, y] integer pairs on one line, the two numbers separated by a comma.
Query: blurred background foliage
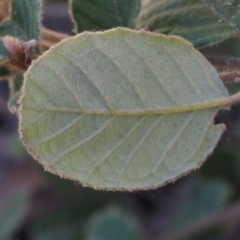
[[35, 205]]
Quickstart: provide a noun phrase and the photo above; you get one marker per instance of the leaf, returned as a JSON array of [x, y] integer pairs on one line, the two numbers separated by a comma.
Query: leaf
[[24, 22], [13, 103], [3, 52], [5, 72], [59, 225], [204, 198], [68, 221], [122, 109], [12, 213], [201, 22], [15, 149], [104, 14], [112, 224], [15, 84], [228, 48]]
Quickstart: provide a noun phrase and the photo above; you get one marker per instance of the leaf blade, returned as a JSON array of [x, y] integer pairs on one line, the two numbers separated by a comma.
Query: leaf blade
[[103, 15], [125, 112], [24, 21], [202, 23], [122, 226], [3, 52]]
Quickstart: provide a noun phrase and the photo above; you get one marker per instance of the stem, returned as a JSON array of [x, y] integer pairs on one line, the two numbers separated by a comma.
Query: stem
[[228, 68], [233, 99], [205, 223], [49, 37]]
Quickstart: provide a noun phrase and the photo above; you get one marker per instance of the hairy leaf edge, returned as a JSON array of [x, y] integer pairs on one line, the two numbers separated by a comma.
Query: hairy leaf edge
[[227, 101]]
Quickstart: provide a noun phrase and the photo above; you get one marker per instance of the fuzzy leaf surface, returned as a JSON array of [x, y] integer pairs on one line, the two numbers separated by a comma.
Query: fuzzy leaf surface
[[104, 14], [201, 22], [24, 20], [121, 109]]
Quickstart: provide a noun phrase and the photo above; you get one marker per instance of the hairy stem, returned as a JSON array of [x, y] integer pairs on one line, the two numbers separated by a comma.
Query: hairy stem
[[49, 37], [228, 67]]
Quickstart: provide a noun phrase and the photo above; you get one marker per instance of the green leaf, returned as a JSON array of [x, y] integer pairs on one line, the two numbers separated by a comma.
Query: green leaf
[[59, 225], [13, 103], [15, 149], [69, 220], [12, 213], [112, 224], [227, 48], [15, 84], [24, 22], [5, 72], [3, 52], [201, 22], [122, 109], [204, 198], [104, 14]]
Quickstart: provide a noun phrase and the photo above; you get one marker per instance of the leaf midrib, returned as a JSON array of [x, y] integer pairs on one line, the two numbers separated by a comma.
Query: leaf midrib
[[151, 111]]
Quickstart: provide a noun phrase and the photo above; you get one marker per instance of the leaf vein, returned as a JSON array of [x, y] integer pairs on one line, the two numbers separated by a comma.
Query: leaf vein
[[62, 130], [216, 13], [201, 140], [98, 5], [117, 12], [207, 76], [84, 141], [173, 141], [64, 83], [151, 70], [39, 116], [138, 145], [44, 91], [189, 80], [122, 72], [79, 67], [115, 147]]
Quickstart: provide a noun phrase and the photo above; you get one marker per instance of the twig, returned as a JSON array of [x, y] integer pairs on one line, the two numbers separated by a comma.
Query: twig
[[204, 223], [228, 68], [49, 37]]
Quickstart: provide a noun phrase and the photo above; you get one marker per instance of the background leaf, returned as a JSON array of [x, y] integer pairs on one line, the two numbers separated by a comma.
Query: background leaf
[[13, 103], [137, 109], [12, 213], [204, 198], [112, 224], [59, 225], [24, 22], [69, 220], [5, 72], [3, 52], [104, 14], [201, 22]]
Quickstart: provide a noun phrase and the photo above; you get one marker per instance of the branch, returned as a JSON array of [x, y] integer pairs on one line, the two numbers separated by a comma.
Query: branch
[[228, 68], [49, 37], [206, 222]]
